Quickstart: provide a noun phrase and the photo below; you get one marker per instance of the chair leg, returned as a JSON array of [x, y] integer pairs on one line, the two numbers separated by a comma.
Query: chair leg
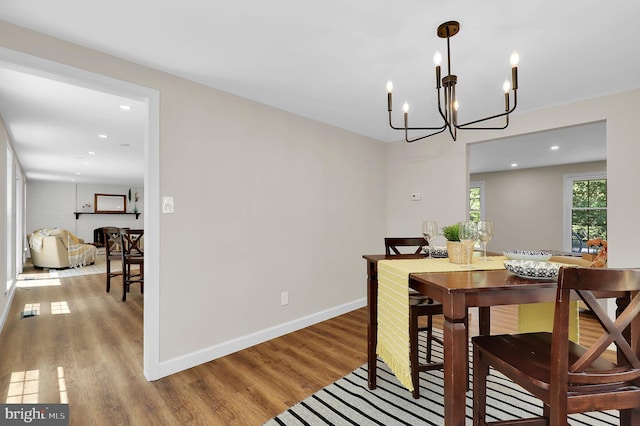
[[126, 273], [413, 354], [108, 275], [466, 328], [429, 337], [480, 372]]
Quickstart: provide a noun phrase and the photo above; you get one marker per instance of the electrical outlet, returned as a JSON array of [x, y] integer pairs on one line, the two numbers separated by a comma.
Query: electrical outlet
[[284, 298]]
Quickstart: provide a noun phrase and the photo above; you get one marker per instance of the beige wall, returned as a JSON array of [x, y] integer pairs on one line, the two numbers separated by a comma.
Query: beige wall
[[265, 202], [526, 206], [435, 168]]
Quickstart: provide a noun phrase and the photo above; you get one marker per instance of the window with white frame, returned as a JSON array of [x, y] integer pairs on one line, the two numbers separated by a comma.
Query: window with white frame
[[585, 215], [476, 201]]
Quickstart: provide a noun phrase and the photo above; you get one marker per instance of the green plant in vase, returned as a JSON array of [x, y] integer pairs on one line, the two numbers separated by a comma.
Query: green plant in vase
[[455, 250], [451, 232]]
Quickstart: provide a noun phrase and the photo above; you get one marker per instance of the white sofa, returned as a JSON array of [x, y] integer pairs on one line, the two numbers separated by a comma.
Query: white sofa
[[59, 248]]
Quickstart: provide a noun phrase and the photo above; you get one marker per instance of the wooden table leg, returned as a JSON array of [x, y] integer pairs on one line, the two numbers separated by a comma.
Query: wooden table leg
[[455, 369], [484, 320]]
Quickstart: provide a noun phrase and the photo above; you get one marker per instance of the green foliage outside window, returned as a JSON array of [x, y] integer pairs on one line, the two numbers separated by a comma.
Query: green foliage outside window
[[588, 211], [474, 204]]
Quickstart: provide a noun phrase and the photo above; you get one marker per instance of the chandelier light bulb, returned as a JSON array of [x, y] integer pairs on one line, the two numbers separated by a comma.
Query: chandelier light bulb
[[456, 105], [405, 107], [389, 86], [506, 86], [514, 59], [437, 58]]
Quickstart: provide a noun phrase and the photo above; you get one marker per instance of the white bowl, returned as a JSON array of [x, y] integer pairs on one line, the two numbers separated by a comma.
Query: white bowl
[[532, 268], [527, 255]]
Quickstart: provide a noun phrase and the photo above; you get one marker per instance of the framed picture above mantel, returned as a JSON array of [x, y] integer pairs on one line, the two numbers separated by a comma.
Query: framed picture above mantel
[[110, 203]]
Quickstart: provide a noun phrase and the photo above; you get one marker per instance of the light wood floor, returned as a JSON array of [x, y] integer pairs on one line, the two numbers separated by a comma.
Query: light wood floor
[[91, 357]]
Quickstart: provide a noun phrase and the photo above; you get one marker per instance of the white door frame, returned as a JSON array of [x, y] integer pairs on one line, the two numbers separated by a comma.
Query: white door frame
[[151, 97]]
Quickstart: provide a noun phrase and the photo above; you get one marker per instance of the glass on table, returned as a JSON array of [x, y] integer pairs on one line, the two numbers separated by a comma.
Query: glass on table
[[485, 234], [429, 230], [468, 234]]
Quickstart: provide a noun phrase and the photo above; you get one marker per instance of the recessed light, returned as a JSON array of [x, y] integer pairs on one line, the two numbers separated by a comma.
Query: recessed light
[[553, 148], [103, 136], [92, 153], [125, 107], [86, 163], [514, 164], [77, 173]]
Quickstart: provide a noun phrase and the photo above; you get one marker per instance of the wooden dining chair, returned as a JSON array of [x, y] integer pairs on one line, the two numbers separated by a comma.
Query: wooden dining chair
[[112, 251], [392, 245], [567, 377], [419, 306], [132, 255]]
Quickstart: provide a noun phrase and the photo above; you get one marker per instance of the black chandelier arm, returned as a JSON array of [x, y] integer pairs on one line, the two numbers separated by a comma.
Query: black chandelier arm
[[406, 135], [440, 129], [506, 124], [506, 113], [445, 114]]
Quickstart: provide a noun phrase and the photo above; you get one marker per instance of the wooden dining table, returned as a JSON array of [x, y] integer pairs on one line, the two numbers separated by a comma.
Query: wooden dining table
[[458, 291]]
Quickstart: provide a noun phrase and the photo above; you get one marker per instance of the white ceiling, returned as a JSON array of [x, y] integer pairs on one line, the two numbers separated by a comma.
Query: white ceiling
[[330, 60], [56, 129], [577, 144]]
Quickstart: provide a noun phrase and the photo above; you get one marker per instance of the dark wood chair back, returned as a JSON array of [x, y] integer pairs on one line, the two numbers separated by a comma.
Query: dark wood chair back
[[131, 239], [567, 377], [113, 250], [112, 241], [391, 244], [132, 254], [583, 372]]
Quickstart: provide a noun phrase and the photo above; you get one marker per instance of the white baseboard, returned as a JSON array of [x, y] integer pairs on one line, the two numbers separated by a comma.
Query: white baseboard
[[184, 362], [7, 307]]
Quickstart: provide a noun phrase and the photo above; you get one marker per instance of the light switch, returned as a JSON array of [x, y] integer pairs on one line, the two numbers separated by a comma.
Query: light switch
[[167, 204], [415, 196]]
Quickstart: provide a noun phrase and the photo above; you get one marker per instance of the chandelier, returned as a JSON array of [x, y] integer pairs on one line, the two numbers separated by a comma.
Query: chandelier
[[448, 103]]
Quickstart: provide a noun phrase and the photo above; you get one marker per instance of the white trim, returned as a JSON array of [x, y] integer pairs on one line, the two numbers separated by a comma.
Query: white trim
[[186, 361], [9, 296], [61, 72], [567, 201], [151, 315]]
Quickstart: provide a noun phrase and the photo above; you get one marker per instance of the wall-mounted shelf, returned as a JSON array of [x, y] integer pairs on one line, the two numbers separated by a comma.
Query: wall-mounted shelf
[[79, 213]]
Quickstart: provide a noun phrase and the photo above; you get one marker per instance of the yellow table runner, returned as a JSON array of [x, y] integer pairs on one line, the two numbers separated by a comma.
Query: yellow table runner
[[393, 306]]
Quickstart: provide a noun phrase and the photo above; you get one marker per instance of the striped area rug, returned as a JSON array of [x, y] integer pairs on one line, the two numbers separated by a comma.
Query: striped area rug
[[350, 402]]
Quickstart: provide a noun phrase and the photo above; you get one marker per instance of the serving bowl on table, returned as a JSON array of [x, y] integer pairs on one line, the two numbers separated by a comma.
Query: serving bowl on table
[[527, 255], [438, 252], [532, 268]]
